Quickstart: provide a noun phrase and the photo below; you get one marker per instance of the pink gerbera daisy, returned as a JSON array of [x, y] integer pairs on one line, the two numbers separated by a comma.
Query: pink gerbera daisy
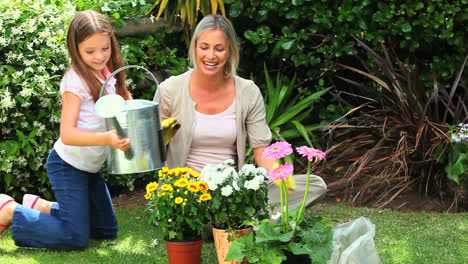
[[281, 172], [311, 153], [277, 150]]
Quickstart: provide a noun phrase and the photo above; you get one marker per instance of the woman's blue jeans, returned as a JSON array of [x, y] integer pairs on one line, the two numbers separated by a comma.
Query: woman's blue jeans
[[83, 210]]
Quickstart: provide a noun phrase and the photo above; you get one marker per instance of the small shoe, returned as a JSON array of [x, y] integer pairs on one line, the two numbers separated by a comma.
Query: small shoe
[[4, 200], [29, 200]]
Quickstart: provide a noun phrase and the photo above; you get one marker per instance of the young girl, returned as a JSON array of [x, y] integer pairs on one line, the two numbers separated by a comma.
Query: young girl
[[84, 208]]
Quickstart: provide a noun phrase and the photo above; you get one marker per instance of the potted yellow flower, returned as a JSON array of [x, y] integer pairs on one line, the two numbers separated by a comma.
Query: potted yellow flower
[[178, 204]]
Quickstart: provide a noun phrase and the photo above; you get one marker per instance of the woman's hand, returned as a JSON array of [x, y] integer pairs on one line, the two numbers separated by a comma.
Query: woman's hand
[[117, 142]]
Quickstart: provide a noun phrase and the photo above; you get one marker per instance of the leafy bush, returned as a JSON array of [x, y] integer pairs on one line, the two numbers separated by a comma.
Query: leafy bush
[[306, 37], [33, 57]]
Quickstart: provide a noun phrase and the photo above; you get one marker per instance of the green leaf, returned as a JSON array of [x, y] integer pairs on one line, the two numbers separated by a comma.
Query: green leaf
[[459, 168], [7, 179], [297, 108], [272, 232], [252, 36], [20, 136], [239, 248], [406, 27], [10, 147], [287, 45], [303, 132]]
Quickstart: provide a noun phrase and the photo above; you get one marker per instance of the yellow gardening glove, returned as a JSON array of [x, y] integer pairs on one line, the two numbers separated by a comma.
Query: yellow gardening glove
[[170, 127], [289, 181]]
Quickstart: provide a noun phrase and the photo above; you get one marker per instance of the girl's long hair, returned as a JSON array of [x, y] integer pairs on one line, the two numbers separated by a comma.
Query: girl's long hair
[[83, 25]]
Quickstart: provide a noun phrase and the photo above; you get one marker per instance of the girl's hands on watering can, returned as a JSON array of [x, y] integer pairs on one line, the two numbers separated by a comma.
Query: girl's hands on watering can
[[289, 181], [117, 142], [170, 127]]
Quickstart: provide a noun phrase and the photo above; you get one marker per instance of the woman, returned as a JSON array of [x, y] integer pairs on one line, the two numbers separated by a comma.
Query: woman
[[217, 108]]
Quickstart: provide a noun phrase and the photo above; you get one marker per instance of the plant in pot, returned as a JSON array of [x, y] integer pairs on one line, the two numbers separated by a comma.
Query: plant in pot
[[178, 204], [296, 236], [238, 197]]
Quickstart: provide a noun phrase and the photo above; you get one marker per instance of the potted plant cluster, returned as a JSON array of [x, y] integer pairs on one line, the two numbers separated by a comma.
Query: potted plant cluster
[[179, 206], [295, 237], [239, 198]]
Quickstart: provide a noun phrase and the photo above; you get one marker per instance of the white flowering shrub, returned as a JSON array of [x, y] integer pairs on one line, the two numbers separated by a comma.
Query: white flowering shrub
[[238, 197], [33, 58]]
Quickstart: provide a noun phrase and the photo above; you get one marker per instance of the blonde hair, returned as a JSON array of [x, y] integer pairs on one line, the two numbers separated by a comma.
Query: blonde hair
[[211, 22], [83, 25]]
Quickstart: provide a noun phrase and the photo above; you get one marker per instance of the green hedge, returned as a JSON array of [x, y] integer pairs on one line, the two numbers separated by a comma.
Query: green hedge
[[307, 37]]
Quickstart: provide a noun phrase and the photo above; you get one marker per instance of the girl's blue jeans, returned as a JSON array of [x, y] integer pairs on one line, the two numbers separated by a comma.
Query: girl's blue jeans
[[83, 210]]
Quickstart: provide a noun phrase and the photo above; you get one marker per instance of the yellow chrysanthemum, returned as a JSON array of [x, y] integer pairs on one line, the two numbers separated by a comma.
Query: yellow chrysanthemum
[[193, 187], [205, 197], [160, 194], [179, 200], [194, 174], [182, 182], [164, 169], [148, 196], [167, 188], [152, 186], [174, 172], [203, 186]]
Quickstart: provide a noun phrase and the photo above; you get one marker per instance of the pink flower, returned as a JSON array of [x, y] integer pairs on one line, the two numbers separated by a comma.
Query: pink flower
[[311, 153], [281, 172], [277, 150]]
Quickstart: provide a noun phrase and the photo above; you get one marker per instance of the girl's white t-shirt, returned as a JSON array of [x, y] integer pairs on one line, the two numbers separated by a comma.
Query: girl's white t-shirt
[[214, 139], [85, 158]]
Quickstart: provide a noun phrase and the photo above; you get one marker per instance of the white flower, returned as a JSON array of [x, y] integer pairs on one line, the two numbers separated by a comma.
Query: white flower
[[154, 243], [247, 169], [3, 42], [234, 184], [212, 186], [226, 191], [229, 162], [276, 216], [261, 171], [259, 179], [252, 185], [6, 101]]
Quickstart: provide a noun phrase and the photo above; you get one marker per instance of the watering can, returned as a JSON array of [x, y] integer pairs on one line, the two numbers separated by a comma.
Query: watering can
[[135, 119]]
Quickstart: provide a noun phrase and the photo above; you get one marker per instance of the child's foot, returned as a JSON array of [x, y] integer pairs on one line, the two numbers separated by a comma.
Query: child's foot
[[36, 203], [7, 206]]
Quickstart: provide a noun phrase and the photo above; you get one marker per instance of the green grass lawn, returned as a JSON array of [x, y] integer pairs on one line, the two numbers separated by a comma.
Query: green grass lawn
[[400, 238]]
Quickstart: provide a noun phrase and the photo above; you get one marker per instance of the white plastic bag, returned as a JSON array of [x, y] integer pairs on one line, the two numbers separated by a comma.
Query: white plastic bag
[[353, 243]]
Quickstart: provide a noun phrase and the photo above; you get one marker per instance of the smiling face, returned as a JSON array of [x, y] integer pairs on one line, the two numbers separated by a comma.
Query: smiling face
[[211, 52], [95, 52]]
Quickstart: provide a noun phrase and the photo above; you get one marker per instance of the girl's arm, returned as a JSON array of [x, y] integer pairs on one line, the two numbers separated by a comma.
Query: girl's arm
[[72, 135]]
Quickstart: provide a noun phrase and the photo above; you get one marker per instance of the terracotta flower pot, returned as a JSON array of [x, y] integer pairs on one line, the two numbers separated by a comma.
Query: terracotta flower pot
[[184, 252], [222, 244]]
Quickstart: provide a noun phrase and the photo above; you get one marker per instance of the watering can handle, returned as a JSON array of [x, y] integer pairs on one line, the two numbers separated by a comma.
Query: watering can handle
[[124, 68]]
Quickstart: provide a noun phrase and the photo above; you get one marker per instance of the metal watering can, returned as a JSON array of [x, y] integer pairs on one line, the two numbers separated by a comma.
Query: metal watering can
[[135, 119]]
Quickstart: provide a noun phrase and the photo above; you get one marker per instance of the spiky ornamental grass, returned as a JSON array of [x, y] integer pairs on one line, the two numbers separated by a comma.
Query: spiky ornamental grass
[[396, 136]]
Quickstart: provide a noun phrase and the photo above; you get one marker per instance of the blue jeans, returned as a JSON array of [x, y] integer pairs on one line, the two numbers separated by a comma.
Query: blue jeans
[[83, 210]]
